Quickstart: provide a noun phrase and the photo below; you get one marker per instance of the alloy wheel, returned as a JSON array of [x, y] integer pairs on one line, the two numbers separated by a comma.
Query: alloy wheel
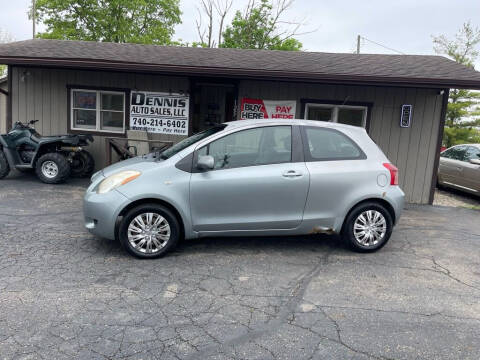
[[49, 169], [369, 228], [148, 232]]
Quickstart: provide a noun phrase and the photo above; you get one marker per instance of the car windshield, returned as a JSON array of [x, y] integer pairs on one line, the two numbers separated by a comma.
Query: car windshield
[[189, 141]]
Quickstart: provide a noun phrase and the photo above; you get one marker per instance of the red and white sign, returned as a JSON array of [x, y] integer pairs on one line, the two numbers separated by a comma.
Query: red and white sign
[[267, 109]]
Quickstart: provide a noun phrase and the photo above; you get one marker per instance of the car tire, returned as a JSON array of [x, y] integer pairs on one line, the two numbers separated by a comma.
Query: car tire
[[82, 164], [154, 242], [4, 167], [376, 223], [52, 168]]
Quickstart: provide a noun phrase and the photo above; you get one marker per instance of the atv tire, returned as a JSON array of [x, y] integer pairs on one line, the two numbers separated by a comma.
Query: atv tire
[[52, 168], [82, 164], [4, 167]]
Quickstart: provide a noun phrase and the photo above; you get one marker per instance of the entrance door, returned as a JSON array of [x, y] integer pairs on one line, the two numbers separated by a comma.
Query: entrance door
[[214, 103]]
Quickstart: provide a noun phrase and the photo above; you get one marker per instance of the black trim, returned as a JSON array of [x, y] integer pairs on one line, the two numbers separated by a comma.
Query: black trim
[[441, 127], [127, 93], [9, 121], [295, 146], [368, 105], [4, 92], [186, 164], [310, 158]]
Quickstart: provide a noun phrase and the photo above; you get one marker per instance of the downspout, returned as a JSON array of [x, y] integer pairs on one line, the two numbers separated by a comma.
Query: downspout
[[443, 115]]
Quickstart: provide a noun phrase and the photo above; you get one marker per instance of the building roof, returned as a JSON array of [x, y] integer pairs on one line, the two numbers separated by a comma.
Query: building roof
[[408, 70]]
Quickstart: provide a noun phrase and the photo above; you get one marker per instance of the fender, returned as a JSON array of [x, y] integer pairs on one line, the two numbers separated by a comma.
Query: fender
[[9, 154]]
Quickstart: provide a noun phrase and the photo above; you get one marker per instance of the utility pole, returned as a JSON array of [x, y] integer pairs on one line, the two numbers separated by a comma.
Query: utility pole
[[33, 18], [358, 42]]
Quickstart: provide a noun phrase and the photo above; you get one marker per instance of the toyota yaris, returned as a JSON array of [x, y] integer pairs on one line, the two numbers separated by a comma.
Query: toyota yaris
[[242, 178]]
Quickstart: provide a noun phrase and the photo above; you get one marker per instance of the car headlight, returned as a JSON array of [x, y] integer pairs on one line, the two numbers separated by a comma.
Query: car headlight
[[116, 180]]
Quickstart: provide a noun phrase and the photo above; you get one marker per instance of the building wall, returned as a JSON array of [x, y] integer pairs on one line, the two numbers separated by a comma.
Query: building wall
[[412, 149], [42, 94], [3, 108]]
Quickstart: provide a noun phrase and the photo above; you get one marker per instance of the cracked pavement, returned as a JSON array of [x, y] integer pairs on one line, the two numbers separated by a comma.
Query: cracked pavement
[[65, 294]]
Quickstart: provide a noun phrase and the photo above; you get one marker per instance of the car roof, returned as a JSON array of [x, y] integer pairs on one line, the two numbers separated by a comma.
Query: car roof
[[474, 145], [301, 122]]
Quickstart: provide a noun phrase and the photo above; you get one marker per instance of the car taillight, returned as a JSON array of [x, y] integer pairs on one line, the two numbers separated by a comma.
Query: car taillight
[[393, 173]]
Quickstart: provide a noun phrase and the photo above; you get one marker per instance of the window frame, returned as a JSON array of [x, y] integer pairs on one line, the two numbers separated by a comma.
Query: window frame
[[306, 149], [98, 91], [296, 148], [336, 108]]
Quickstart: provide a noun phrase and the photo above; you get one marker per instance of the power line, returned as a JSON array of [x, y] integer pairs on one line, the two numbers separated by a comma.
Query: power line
[[376, 43]]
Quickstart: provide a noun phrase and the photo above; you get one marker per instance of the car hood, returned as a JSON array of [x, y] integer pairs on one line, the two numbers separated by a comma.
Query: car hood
[[139, 163]]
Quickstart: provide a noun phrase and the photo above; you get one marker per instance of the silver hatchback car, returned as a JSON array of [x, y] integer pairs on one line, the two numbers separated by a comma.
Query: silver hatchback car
[[242, 178]]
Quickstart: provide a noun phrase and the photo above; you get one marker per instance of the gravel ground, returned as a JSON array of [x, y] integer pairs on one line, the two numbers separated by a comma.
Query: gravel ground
[[455, 198], [65, 294]]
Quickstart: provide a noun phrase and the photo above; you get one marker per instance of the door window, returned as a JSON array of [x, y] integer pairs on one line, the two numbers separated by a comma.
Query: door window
[[456, 153], [473, 153], [329, 144], [258, 146]]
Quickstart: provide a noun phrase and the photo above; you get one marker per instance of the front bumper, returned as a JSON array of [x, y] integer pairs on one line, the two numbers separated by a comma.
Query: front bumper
[[101, 212]]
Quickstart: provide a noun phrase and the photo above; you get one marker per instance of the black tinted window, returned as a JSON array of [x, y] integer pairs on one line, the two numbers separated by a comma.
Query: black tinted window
[[456, 153], [258, 146], [329, 144]]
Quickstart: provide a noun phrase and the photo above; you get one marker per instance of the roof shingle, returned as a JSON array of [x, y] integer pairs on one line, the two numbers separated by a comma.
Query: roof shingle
[[425, 70]]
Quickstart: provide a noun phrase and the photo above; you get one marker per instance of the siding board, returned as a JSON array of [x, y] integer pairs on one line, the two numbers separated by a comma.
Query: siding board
[[42, 93]]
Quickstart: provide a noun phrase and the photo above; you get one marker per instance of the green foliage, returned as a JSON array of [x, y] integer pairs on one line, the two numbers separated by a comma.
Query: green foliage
[[460, 135], [135, 21], [3, 70], [462, 121], [258, 28]]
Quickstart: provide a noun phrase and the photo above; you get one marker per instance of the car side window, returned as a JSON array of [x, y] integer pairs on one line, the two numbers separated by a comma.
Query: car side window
[[258, 146], [456, 153], [473, 153], [328, 144]]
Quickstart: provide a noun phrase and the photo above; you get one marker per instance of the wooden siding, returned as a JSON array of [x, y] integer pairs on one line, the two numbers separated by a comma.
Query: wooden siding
[[42, 94], [412, 149], [3, 108]]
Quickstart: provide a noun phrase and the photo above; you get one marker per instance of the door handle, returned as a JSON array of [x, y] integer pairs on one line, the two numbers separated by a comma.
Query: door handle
[[291, 174]]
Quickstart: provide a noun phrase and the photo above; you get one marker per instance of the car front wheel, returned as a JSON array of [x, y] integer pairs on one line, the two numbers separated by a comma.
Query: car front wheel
[[368, 227], [149, 231]]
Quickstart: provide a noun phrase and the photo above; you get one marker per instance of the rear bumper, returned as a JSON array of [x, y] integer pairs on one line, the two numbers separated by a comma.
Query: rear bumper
[[101, 212], [396, 197]]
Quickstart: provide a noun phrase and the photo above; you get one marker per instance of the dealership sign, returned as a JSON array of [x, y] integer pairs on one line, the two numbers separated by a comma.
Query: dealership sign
[[267, 109], [162, 113]]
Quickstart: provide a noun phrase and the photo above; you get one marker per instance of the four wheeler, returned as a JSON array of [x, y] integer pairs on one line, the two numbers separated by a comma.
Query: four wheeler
[[54, 158]]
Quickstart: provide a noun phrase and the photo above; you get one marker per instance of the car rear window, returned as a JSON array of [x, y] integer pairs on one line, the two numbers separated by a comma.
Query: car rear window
[[323, 144]]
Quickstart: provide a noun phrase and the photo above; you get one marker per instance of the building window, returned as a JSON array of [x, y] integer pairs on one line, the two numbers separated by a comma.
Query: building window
[[343, 114], [98, 110]]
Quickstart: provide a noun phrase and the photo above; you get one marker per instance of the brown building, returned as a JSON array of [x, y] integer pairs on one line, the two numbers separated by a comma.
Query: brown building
[[106, 89]]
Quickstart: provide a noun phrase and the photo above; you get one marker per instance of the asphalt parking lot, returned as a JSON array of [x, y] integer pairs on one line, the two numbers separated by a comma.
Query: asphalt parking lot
[[65, 294]]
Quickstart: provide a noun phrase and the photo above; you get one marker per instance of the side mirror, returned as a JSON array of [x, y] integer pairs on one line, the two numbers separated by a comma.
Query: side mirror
[[475, 161], [205, 162]]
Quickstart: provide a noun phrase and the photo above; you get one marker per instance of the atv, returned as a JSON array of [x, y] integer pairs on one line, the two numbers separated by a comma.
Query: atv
[[54, 158]]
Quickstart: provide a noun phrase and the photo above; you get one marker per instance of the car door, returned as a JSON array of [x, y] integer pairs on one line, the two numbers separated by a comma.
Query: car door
[[258, 182], [471, 172], [452, 164]]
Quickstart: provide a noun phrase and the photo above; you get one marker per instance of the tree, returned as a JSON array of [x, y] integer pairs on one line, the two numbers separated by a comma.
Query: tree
[[135, 21], [463, 110], [5, 37], [211, 9], [261, 27]]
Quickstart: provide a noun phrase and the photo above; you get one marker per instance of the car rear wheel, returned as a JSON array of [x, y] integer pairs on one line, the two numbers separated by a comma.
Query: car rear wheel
[[52, 168], [368, 227], [149, 231]]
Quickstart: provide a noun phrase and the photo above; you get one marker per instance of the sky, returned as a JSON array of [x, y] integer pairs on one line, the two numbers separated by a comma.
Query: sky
[[403, 25]]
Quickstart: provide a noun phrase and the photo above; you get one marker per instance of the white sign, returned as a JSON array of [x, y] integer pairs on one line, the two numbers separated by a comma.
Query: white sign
[[161, 113], [267, 109]]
